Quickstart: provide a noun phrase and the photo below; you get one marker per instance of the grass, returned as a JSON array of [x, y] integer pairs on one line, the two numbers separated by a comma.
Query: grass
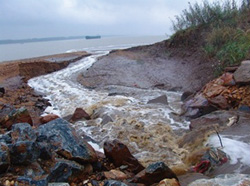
[[226, 26]]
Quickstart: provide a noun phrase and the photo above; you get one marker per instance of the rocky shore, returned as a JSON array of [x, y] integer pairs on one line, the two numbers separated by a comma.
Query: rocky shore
[[50, 151]]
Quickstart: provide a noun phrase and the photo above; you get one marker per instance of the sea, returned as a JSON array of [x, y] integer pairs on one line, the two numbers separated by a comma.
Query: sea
[[36, 49]]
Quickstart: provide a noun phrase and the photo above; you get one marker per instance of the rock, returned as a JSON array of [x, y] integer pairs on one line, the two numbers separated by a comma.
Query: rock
[[80, 114], [38, 181], [197, 106], [16, 116], [219, 101], [106, 119], [190, 177], [228, 79], [48, 118], [58, 184], [64, 141], [22, 132], [114, 183], [115, 175], [161, 99], [224, 180], [24, 152], [5, 109], [244, 108], [119, 154], [154, 173], [63, 170], [242, 74], [4, 158], [186, 95], [169, 182], [2, 91], [213, 89]]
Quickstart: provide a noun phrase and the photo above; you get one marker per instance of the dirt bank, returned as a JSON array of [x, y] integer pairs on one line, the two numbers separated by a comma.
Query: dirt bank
[[15, 74], [151, 66]]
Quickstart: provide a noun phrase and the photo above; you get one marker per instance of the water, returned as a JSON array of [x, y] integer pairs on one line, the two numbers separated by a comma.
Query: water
[[28, 50], [148, 129]]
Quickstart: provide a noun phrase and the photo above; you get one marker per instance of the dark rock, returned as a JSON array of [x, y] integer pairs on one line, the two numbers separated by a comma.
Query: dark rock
[[6, 138], [48, 118], [22, 132], [154, 173], [38, 181], [80, 114], [5, 109], [161, 99], [45, 148], [186, 95], [4, 157], [24, 152], [64, 170], [242, 74], [119, 154], [244, 108], [114, 183], [2, 90], [65, 142], [16, 116]]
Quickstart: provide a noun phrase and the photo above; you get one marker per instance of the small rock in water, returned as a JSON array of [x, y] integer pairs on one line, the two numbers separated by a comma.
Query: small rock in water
[[48, 118], [80, 114], [161, 99]]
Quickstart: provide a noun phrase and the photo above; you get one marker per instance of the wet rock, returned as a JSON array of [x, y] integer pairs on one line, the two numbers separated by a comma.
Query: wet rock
[[4, 157], [190, 177], [224, 180], [16, 116], [24, 152], [80, 114], [186, 95], [161, 99], [64, 141], [114, 183], [154, 173], [64, 170], [242, 74], [115, 175], [197, 106], [169, 182], [119, 154], [106, 119], [48, 118]]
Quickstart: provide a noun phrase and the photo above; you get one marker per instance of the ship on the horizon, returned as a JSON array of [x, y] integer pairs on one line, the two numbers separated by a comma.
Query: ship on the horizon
[[93, 37]]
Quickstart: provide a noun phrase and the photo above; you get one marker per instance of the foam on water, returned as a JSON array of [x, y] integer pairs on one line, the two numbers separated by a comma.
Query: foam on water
[[146, 128], [237, 150]]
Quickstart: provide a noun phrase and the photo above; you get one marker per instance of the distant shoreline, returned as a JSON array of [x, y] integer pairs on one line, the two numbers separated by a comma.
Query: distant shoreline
[[32, 40]]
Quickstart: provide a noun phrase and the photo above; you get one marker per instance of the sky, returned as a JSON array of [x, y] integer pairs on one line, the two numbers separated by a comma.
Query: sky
[[53, 18]]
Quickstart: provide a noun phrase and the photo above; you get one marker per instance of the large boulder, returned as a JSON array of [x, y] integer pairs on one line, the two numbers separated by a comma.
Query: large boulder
[[65, 142], [154, 173], [242, 74], [16, 116], [119, 154]]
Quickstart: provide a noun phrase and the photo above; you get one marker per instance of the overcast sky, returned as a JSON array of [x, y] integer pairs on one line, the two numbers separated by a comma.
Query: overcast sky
[[49, 18]]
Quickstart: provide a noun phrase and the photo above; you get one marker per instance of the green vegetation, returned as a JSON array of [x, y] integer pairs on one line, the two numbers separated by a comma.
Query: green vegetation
[[225, 27]]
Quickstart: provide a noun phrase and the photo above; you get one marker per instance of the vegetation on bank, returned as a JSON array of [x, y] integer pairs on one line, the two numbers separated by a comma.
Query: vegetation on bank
[[225, 30]]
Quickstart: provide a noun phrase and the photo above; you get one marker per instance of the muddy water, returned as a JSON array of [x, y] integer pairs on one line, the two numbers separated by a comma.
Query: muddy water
[[150, 130]]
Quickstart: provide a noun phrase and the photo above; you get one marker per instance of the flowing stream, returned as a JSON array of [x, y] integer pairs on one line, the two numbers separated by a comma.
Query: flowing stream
[[150, 130]]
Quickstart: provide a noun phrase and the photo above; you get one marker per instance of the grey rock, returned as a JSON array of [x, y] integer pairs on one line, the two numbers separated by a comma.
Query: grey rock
[[65, 142], [114, 183], [161, 99], [242, 74], [58, 184]]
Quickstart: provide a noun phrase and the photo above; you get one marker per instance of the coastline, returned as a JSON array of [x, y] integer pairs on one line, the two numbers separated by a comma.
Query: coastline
[[15, 74]]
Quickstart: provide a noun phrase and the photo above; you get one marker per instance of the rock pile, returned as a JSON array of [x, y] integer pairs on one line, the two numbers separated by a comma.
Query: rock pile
[[231, 90]]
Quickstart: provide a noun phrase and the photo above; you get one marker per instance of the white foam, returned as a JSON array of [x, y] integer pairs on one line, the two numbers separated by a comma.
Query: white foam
[[237, 150], [96, 147]]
